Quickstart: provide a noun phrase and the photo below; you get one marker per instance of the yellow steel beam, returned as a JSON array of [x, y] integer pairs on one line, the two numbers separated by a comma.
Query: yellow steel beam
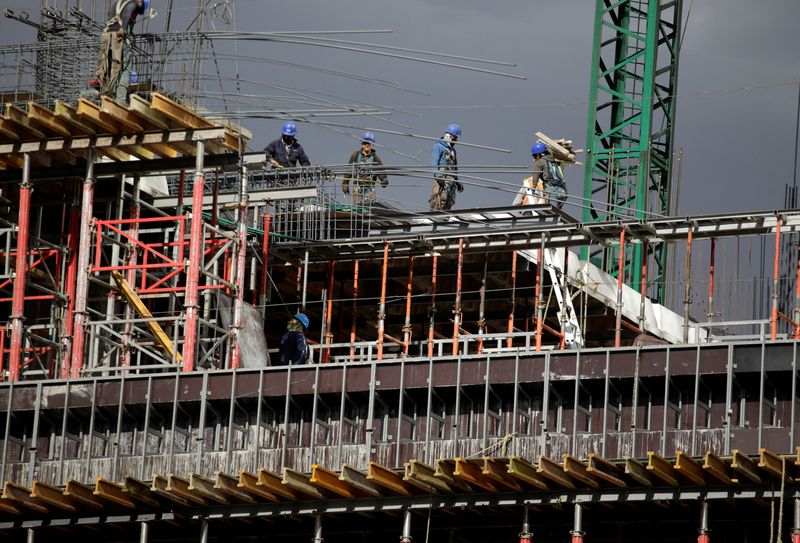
[[424, 476], [605, 470], [388, 479], [159, 487], [578, 470], [359, 481], [445, 470], [300, 483], [139, 491], [527, 472], [249, 483], [329, 480], [274, 484], [52, 496], [661, 468], [205, 488], [636, 471], [83, 494], [181, 487], [22, 496], [554, 472], [112, 492], [469, 472], [689, 468], [497, 470], [773, 464], [717, 468], [745, 467], [229, 485]]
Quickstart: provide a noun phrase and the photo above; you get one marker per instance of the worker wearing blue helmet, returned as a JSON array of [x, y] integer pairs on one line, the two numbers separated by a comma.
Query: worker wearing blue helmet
[[286, 151], [114, 65], [444, 161], [294, 348], [366, 165], [546, 185]]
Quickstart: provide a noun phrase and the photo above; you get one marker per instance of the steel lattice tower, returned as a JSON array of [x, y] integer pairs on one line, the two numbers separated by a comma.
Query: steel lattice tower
[[631, 123]]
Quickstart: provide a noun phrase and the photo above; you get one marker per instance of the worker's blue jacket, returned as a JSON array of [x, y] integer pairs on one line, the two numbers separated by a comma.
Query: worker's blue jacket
[[444, 158]]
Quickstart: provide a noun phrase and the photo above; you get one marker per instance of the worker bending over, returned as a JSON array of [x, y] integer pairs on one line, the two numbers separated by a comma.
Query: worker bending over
[[286, 152]]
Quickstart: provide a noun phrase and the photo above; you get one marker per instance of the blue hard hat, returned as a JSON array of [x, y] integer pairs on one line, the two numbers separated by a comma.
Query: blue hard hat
[[454, 130], [538, 148], [303, 320], [289, 129], [368, 136], [146, 5], [134, 77]]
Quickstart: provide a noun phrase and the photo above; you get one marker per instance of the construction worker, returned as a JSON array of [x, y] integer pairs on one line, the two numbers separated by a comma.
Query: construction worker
[[114, 64], [363, 160], [445, 170], [294, 349], [286, 152], [546, 185]]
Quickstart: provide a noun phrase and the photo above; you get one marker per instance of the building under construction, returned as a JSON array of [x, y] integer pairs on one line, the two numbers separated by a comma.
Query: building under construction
[[490, 374]]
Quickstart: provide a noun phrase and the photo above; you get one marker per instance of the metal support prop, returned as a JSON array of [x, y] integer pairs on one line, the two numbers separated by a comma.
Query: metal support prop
[[130, 273], [513, 304], [643, 297], [82, 279], [406, 537], [354, 322], [432, 309], [703, 535], [326, 353], [262, 298], [204, 531], [457, 308], [577, 528], [193, 271], [239, 277], [620, 278], [382, 309], [305, 281], [30, 536], [407, 324], [143, 532], [796, 333], [775, 280], [687, 285], [318, 529], [562, 344], [711, 269], [482, 305], [796, 524], [20, 272], [539, 298], [72, 273], [525, 536]]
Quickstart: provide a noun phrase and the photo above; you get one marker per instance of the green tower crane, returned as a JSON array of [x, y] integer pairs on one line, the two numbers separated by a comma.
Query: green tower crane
[[631, 125]]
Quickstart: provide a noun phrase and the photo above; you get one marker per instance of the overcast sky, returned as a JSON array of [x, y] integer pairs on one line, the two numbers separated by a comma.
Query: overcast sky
[[739, 146]]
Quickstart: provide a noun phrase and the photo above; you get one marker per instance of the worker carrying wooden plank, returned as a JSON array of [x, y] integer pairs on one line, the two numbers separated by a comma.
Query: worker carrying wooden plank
[[547, 184]]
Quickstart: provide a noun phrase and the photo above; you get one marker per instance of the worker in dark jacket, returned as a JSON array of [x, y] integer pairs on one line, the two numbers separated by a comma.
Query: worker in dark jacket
[[294, 349], [114, 64], [286, 152], [363, 160]]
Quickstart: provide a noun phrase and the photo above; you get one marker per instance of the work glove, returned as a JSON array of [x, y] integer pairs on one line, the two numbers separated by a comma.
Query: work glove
[[384, 182], [459, 187], [346, 189]]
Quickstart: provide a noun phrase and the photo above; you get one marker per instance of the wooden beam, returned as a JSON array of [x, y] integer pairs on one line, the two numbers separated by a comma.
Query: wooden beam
[[472, 474], [689, 468], [527, 472], [22, 496], [177, 112], [139, 491], [661, 468], [717, 468], [300, 483], [229, 485], [606, 470], [249, 483], [554, 472], [576, 469], [83, 494], [773, 464], [424, 476], [388, 479], [52, 496], [112, 492], [205, 488], [274, 484], [743, 466], [180, 487], [636, 471], [359, 481], [497, 470]]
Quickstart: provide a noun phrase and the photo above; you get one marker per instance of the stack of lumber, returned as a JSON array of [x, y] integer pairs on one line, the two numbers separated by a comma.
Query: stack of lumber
[[561, 149]]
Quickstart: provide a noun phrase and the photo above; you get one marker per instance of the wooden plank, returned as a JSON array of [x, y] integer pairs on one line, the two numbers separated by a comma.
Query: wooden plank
[[155, 328], [22, 496], [249, 483], [773, 464], [497, 470], [180, 487], [83, 494], [424, 476], [139, 491], [300, 483], [273, 484], [112, 492], [744, 468], [576, 469], [636, 471], [159, 487], [661, 469], [205, 488], [388, 479], [445, 470], [141, 108], [717, 468], [359, 481], [472, 474], [527, 472], [329, 480], [689, 468], [554, 472], [52, 496], [229, 485], [606, 470]]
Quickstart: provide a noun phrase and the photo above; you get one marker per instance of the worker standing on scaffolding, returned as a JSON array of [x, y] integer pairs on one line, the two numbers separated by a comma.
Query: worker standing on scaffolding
[[445, 170], [286, 152], [363, 160], [114, 64], [294, 348], [546, 185]]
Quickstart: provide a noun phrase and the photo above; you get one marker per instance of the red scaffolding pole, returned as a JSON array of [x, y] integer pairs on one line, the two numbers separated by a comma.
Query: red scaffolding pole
[[382, 310], [20, 272], [775, 281], [407, 324], [432, 310], [457, 308], [193, 273]]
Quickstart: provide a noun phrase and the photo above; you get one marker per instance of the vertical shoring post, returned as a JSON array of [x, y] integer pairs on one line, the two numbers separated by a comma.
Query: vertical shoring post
[[143, 532], [262, 298], [775, 280], [318, 528], [687, 285], [354, 320], [407, 323], [20, 272], [643, 289], [204, 531], [525, 536], [711, 269], [620, 277], [512, 304], [406, 537], [305, 282], [326, 353], [82, 280], [796, 523], [545, 405], [239, 278], [577, 527], [30, 536], [703, 537], [457, 308], [193, 272], [562, 344], [729, 400], [796, 334], [72, 273], [33, 448], [482, 305], [432, 309], [539, 300], [130, 273], [382, 308], [666, 404]]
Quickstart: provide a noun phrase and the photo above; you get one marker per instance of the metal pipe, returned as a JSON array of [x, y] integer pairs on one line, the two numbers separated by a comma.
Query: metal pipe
[[775, 280], [406, 537], [20, 272], [355, 314], [30, 536], [687, 285], [193, 271], [204, 531], [239, 278], [407, 324], [262, 299], [72, 272], [539, 299], [703, 535], [130, 274], [482, 306], [643, 298], [796, 334], [432, 309], [82, 279], [513, 304], [620, 278], [525, 536], [577, 527], [565, 297], [318, 529], [457, 309], [305, 281], [382, 308], [796, 526], [326, 353], [711, 269], [143, 532]]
